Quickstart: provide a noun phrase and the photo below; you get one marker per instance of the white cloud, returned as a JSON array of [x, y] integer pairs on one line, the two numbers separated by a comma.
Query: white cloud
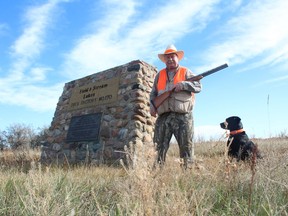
[[125, 37], [38, 73], [31, 42], [19, 87], [117, 15], [259, 27], [278, 79], [37, 98]]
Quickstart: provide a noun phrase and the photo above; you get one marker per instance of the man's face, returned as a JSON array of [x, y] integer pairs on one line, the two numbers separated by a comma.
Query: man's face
[[171, 61]]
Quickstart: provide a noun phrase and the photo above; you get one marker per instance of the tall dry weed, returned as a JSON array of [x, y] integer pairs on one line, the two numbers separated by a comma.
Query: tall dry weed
[[211, 187]]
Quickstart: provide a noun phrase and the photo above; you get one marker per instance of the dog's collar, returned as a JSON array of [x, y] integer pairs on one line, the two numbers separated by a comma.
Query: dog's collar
[[236, 131]]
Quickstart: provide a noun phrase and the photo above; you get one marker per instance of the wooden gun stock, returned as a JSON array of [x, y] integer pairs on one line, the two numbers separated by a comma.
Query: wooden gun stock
[[161, 98]]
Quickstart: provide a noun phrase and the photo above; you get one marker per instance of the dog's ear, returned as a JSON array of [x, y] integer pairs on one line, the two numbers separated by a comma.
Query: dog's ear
[[239, 123], [234, 123], [237, 119]]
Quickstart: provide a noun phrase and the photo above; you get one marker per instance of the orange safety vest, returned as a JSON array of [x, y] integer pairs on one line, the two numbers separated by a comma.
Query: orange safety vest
[[162, 80], [179, 76]]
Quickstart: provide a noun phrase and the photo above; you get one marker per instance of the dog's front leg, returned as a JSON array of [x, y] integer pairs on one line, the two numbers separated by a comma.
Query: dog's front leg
[[239, 154]]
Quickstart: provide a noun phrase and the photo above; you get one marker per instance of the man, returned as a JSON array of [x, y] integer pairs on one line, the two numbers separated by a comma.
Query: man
[[175, 113]]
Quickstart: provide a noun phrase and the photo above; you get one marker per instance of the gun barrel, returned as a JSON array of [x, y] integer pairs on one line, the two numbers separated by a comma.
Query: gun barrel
[[221, 67]]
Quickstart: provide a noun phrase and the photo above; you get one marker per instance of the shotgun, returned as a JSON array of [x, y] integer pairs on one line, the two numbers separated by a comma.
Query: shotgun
[[161, 98]]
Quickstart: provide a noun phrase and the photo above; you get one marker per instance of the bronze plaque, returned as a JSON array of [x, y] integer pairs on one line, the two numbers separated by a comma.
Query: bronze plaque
[[94, 94], [84, 128]]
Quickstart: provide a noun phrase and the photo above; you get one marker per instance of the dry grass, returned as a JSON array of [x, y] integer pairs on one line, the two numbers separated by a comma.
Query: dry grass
[[212, 186]]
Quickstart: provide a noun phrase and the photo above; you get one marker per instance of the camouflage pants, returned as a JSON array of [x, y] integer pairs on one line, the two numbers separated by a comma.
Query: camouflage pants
[[181, 126]]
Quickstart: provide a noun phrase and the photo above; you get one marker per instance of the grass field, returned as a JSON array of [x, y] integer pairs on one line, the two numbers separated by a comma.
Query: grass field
[[212, 186]]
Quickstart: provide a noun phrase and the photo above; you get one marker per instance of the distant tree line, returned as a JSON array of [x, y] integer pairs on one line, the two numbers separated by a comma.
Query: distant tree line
[[21, 136]]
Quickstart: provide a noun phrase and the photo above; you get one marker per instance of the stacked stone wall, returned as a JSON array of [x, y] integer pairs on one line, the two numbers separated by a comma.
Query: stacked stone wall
[[125, 121]]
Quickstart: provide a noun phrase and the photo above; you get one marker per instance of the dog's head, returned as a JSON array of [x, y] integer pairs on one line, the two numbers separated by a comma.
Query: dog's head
[[232, 123]]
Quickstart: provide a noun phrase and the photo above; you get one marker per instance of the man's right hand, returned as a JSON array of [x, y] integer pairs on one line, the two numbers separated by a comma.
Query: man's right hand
[[153, 112]]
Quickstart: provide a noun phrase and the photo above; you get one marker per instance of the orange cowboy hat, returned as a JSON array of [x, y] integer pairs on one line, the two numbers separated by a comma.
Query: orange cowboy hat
[[171, 49]]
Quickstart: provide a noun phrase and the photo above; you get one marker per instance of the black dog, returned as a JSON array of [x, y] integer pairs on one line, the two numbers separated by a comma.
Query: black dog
[[239, 145]]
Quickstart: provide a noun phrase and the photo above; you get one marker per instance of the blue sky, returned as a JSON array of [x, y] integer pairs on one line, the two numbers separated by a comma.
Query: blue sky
[[46, 43]]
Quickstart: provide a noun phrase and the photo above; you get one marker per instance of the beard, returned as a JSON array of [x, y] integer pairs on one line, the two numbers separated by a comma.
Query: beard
[[172, 66]]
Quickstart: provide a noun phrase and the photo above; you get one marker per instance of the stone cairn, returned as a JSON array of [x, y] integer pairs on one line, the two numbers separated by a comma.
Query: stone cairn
[[123, 122]]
